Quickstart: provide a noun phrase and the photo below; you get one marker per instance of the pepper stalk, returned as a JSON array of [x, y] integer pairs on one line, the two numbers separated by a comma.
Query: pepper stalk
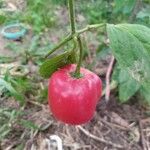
[[73, 32]]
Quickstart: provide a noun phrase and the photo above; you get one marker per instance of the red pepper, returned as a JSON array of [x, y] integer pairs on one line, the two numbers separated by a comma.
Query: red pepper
[[73, 100]]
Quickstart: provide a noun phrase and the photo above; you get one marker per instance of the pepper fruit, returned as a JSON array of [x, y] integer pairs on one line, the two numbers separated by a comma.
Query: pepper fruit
[[73, 100]]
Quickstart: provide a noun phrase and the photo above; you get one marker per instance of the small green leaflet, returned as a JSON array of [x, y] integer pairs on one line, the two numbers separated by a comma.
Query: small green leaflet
[[130, 51], [51, 65]]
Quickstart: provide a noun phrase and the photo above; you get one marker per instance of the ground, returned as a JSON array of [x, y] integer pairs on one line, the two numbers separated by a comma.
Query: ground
[[114, 126]]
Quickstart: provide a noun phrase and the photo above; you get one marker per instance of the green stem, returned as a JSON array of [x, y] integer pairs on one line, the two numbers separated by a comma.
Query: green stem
[[77, 72], [72, 16], [68, 38], [90, 27]]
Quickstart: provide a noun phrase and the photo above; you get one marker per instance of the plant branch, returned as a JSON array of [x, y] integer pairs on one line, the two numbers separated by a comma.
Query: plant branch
[[72, 16], [90, 27], [68, 38]]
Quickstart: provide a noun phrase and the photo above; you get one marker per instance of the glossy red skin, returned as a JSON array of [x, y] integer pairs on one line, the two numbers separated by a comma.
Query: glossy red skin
[[73, 100]]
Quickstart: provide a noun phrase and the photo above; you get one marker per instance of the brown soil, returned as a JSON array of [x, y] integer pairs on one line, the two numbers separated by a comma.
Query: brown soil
[[113, 127]]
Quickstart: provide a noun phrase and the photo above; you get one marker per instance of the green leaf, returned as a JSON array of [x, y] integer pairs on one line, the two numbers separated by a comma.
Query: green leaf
[[130, 52], [127, 86], [142, 33], [51, 65], [116, 72], [8, 86]]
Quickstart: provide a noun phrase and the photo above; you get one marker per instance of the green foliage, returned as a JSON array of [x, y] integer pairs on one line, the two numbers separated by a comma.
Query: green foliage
[[5, 59], [124, 6], [38, 13], [34, 50], [22, 85], [142, 33], [29, 124], [16, 86], [2, 14], [95, 11], [7, 85], [126, 84], [9, 118], [42, 97], [2, 19], [51, 65], [131, 47], [64, 2], [145, 12]]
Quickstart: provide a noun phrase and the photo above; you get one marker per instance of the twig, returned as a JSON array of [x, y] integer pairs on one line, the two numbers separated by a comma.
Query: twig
[[99, 139], [142, 136], [114, 125], [108, 74], [36, 103]]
